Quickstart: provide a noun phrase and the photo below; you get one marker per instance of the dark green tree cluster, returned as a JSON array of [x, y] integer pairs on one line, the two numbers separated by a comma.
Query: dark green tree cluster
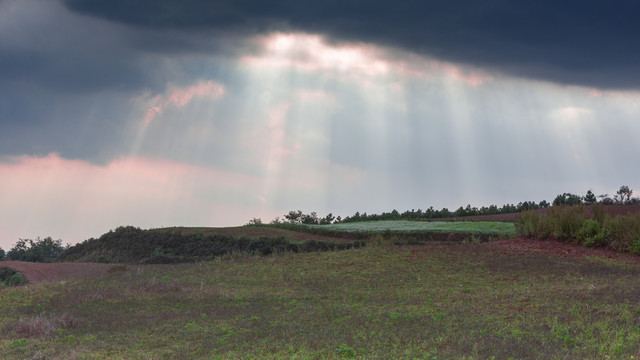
[[432, 213], [624, 196], [298, 217], [39, 250], [567, 199]]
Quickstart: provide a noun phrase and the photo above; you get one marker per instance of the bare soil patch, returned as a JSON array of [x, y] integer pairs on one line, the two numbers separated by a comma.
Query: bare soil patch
[[523, 246], [38, 273]]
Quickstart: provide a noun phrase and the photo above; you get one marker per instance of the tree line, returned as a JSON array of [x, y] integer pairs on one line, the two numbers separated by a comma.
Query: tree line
[[38, 250], [622, 197]]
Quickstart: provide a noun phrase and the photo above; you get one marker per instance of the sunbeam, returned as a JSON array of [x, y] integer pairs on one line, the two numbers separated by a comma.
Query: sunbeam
[[216, 132]]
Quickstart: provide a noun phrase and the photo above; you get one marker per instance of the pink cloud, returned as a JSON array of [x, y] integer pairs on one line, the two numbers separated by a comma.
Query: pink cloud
[[75, 200], [181, 97]]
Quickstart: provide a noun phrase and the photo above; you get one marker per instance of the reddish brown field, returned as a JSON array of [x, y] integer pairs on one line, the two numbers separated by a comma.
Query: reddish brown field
[[528, 246], [38, 273], [523, 248]]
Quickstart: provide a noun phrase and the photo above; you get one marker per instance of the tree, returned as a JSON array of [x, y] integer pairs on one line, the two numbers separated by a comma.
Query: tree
[[590, 198], [310, 219], [294, 217], [327, 219], [255, 221], [40, 250], [623, 195], [605, 199], [567, 199], [1, 254]]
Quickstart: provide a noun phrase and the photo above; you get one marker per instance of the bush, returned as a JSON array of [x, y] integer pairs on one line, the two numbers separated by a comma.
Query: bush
[[10, 277], [635, 246], [624, 231], [567, 223], [569, 220], [592, 234]]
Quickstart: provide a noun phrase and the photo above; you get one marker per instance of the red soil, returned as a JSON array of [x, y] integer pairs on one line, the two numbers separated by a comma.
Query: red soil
[[522, 246], [38, 273]]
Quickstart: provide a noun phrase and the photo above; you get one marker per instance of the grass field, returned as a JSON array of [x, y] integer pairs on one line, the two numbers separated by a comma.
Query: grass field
[[457, 301], [473, 227]]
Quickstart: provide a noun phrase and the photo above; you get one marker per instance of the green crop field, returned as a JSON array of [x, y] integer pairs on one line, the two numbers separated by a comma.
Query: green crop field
[[495, 300], [474, 227]]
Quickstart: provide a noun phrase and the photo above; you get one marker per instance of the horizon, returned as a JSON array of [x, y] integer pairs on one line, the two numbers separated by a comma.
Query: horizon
[[187, 113]]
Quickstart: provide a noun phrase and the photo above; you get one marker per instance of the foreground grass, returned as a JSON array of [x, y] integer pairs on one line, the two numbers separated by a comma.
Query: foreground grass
[[473, 227], [473, 301]]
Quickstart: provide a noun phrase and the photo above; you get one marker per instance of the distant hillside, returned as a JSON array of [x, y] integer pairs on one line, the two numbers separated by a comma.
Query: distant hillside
[[132, 245]]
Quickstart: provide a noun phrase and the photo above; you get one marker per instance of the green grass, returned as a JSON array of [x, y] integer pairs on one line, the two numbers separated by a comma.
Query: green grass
[[474, 227], [471, 301]]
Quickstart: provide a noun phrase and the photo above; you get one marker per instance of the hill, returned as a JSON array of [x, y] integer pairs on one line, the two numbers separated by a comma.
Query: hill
[[129, 244]]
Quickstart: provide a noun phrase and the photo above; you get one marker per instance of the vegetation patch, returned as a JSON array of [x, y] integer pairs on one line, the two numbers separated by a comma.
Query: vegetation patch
[[133, 245], [594, 228], [10, 277], [470, 227]]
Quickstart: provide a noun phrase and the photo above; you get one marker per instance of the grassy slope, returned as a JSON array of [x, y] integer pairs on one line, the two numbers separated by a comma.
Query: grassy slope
[[475, 227], [253, 231], [180, 244], [470, 301]]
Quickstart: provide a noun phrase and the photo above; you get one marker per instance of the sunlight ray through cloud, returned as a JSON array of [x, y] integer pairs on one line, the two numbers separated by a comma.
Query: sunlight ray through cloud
[[307, 121]]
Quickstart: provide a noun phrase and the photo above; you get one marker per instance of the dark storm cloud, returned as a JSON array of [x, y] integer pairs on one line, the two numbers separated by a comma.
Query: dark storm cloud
[[576, 42]]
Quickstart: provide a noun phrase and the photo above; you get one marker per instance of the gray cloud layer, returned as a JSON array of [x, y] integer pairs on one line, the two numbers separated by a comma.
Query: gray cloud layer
[[575, 42]]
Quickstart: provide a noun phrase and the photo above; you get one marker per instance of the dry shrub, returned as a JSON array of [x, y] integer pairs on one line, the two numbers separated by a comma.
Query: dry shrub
[[41, 326], [571, 224], [39, 355]]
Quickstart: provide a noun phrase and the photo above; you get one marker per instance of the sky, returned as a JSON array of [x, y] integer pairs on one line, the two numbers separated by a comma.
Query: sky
[[211, 113]]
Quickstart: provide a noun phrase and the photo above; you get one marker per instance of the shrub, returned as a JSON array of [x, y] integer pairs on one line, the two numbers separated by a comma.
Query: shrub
[[345, 351], [592, 234], [624, 231], [635, 246], [570, 220], [528, 224], [10, 277], [598, 214], [566, 223]]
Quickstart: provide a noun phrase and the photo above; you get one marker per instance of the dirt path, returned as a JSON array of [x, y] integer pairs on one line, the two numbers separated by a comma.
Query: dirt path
[[38, 273]]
